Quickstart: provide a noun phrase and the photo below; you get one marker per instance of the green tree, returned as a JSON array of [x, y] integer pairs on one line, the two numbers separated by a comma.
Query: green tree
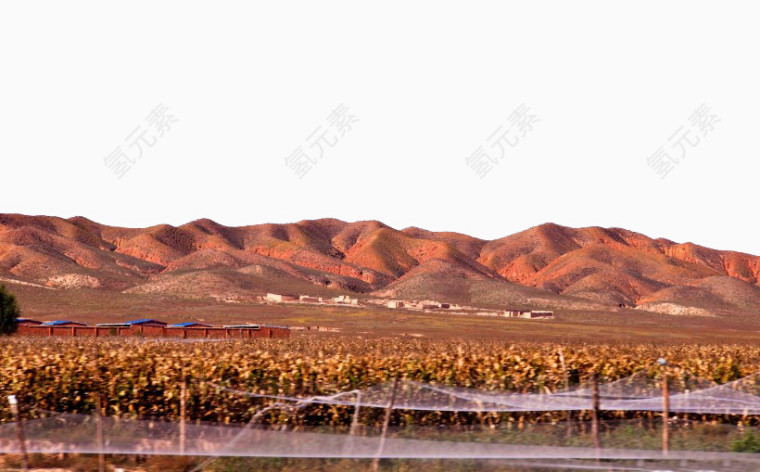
[[9, 312]]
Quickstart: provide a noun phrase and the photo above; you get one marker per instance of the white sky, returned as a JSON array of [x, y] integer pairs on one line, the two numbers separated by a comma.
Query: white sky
[[428, 81]]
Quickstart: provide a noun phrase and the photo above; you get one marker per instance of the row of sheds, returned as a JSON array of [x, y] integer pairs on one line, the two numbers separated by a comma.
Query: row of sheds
[[128, 324], [143, 322], [149, 328]]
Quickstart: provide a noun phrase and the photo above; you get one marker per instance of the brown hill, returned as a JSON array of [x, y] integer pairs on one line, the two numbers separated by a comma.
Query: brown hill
[[612, 265], [548, 265]]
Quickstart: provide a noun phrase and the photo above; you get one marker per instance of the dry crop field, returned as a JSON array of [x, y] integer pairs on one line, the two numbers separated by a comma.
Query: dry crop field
[[142, 378]]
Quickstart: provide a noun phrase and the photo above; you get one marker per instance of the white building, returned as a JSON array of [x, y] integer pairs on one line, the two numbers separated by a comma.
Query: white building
[[345, 299], [528, 314], [274, 298]]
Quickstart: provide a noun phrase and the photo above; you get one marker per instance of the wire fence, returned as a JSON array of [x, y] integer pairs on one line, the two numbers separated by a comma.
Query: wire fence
[[638, 392], [54, 432]]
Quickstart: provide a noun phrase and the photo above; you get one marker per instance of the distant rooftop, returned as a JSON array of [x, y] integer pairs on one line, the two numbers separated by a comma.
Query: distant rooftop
[[61, 322], [143, 321]]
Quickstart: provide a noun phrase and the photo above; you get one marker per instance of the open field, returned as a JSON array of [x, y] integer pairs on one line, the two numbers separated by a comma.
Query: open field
[[623, 325]]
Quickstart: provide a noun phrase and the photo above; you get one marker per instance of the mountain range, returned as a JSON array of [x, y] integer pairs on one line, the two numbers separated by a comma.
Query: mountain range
[[547, 266]]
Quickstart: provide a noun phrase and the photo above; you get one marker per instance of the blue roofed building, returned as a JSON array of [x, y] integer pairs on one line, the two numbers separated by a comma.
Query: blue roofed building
[[28, 322], [127, 324], [62, 323], [145, 322]]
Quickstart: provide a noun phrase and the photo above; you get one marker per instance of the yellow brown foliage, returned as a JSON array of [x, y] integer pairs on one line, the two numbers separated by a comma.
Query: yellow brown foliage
[[143, 378]]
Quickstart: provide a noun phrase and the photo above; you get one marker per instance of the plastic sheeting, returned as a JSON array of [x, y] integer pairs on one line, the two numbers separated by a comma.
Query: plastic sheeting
[[635, 393]]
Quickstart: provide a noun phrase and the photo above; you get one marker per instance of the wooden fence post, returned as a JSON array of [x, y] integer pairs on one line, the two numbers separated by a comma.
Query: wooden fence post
[[595, 410], [665, 406], [567, 389], [386, 421], [99, 427], [349, 444], [183, 416], [355, 421], [99, 412], [665, 414], [19, 431]]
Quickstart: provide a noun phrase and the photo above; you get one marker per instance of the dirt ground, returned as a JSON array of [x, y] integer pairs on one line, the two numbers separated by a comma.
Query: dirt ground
[[624, 325]]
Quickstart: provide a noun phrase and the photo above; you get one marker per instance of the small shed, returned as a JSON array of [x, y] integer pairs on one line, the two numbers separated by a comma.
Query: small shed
[[517, 313], [345, 299], [541, 314], [274, 297], [277, 298]]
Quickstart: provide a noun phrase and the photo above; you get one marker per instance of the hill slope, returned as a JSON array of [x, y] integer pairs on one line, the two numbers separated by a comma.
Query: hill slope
[[547, 265]]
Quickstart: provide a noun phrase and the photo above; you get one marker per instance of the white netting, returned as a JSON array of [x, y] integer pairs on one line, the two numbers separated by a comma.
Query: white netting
[[635, 393], [79, 433]]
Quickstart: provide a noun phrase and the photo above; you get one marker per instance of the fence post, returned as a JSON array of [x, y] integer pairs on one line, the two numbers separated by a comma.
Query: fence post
[[665, 414], [183, 416], [567, 389], [349, 444], [386, 421], [665, 406], [99, 413], [19, 431], [355, 421], [595, 410], [99, 426]]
